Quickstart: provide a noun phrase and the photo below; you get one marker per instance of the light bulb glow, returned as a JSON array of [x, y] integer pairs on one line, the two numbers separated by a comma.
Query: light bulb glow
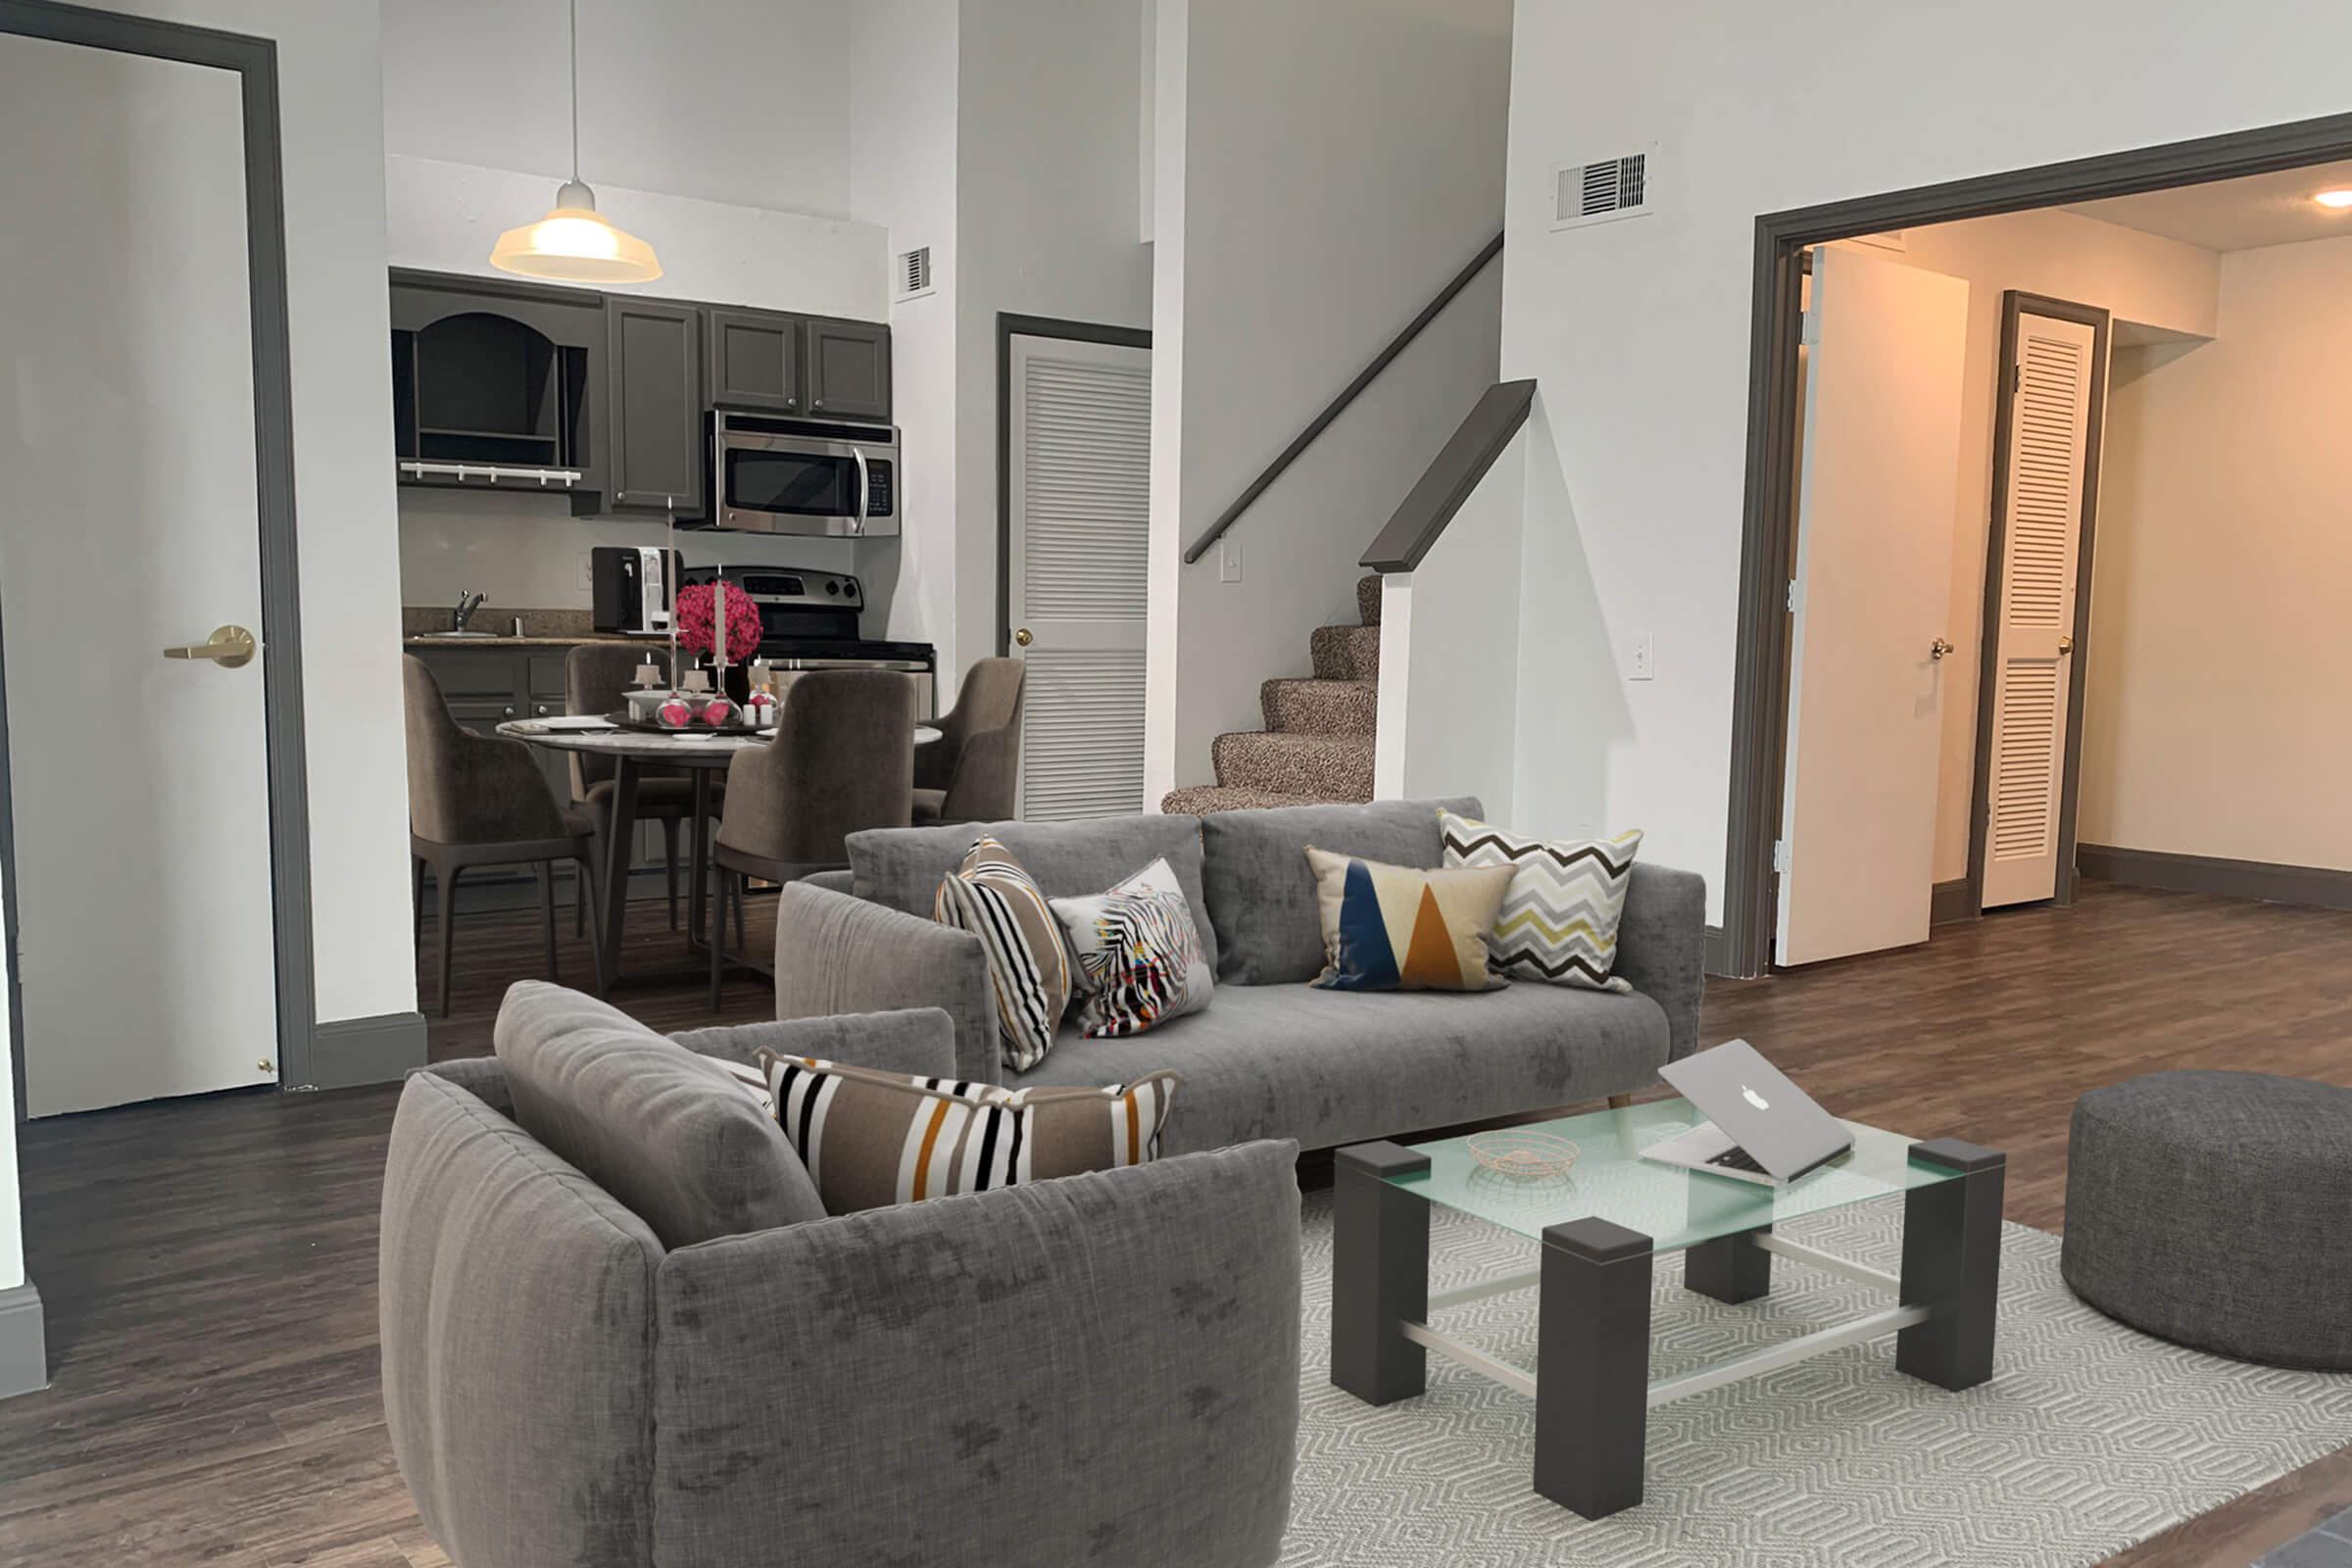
[[2334, 199], [576, 245]]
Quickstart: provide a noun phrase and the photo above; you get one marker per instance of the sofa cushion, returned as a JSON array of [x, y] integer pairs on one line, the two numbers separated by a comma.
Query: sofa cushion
[[991, 895], [1261, 893], [902, 866], [875, 1139], [1404, 928], [1333, 1068], [668, 1133], [1139, 954], [1560, 914]]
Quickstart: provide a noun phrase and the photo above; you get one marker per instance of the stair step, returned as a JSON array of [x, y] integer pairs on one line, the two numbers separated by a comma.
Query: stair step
[[1319, 706], [1199, 799], [1346, 653], [1323, 768], [1367, 599]]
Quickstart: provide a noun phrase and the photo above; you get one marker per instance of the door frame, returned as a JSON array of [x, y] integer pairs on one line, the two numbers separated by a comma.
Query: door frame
[[254, 62], [1760, 682], [2016, 303], [1010, 325]]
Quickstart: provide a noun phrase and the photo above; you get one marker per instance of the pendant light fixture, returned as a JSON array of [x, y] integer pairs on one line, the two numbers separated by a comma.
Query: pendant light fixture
[[574, 243]]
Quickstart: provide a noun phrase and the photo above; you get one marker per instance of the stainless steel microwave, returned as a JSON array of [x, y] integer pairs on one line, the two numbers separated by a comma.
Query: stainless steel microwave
[[770, 474]]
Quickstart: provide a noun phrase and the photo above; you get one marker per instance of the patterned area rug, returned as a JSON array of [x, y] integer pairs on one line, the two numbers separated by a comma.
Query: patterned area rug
[[2088, 1438]]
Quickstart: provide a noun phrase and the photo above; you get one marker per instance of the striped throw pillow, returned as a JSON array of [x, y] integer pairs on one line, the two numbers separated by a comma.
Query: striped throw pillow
[[874, 1139], [994, 898], [1560, 914]]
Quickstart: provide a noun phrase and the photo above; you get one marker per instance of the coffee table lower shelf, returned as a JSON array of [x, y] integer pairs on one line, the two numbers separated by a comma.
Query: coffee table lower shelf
[[1593, 1308]]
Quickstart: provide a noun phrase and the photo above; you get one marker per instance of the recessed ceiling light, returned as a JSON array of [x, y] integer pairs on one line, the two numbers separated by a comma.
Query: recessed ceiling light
[[2339, 198]]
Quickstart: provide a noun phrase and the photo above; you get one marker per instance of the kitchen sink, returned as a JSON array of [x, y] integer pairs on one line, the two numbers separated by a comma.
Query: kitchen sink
[[438, 635]]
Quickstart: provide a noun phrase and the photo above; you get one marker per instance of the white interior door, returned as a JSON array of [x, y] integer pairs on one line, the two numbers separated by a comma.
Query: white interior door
[[1081, 511], [126, 435], [2041, 539], [1871, 582]]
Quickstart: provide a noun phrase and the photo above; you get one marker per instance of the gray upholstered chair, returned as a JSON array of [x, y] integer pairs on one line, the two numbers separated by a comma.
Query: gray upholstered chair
[[595, 675], [970, 773], [842, 761], [480, 799]]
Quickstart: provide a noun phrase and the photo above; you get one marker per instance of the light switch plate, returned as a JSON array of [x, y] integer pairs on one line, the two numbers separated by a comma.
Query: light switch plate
[[1229, 560], [1641, 658]]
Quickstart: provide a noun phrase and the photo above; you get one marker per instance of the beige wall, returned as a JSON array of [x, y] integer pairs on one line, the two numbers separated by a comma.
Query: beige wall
[[2218, 659], [2140, 277]]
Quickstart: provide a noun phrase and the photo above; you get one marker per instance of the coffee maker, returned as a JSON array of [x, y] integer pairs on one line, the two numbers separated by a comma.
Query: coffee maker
[[632, 587]]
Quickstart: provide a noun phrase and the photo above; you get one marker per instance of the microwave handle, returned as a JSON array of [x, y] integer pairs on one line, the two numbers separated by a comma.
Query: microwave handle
[[864, 490]]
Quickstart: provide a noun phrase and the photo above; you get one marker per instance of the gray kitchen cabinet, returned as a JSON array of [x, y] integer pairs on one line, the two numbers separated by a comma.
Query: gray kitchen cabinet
[[755, 359], [654, 362], [848, 370]]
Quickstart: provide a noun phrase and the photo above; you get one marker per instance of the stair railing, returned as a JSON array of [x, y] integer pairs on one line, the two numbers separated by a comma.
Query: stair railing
[[1338, 405], [1451, 476]]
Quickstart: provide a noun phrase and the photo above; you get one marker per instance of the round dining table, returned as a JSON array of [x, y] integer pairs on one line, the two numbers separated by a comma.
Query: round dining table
[[702, 754]]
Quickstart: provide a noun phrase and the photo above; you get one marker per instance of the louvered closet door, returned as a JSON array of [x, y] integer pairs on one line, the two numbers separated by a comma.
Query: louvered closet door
[[1080, 494], [2041, 533]]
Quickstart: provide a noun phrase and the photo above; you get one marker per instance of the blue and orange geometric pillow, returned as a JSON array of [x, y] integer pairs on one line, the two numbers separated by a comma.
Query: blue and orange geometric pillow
[[1403, 928]]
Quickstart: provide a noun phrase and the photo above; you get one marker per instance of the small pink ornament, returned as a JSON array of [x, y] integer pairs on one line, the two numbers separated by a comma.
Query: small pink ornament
[[716, 712], [675, 713]]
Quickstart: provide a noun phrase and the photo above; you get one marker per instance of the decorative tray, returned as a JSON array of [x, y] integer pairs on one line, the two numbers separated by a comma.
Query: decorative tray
[[646, 727]]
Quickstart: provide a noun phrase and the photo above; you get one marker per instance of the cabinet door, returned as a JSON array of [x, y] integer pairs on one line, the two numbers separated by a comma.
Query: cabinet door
[[755, 359], [848, 370], [654, 354]]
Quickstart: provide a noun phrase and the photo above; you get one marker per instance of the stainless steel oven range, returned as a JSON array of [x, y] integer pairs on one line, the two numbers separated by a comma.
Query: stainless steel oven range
[[809, 620]]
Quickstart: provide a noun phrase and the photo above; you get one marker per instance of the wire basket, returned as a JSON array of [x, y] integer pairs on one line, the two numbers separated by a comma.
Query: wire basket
[[1524, 1154]]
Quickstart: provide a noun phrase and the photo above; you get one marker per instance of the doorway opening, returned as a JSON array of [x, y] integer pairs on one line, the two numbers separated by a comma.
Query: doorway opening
[[1918, 682]]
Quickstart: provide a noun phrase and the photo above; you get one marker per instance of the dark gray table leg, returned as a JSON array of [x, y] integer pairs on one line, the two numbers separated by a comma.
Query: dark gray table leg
[[1952, 1266], [1593, 1366], [1379, 1273], [1730, 1268], [619, 831], [698, 859]]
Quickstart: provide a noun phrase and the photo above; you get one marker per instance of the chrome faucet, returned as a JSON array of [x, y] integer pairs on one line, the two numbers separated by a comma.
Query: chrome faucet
[[468, 603]]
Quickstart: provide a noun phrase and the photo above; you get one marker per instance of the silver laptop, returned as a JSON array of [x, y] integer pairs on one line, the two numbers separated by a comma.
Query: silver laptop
[[1761, 1128]]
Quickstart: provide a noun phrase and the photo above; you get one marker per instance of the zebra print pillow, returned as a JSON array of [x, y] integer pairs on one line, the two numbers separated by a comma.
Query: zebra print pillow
[[1139, 953], [994, 898]]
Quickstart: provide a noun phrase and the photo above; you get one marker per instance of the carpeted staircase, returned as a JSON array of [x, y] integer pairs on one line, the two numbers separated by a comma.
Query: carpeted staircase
[[1317, 742]]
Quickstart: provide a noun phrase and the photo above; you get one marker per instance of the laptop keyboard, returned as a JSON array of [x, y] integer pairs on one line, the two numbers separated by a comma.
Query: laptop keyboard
[[1737, 1159]]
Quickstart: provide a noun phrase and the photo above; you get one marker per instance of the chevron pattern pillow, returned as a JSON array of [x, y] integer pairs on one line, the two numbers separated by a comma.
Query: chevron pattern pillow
[[1561, 912]]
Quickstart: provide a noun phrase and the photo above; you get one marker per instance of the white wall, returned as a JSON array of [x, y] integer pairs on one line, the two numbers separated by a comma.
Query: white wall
[[2142, 278], [2217, 661], [1323, 167], [1638, 330]]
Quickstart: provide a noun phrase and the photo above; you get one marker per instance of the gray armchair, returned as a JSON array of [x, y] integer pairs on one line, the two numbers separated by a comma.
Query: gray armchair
[[1102, 1368], [971, 772], [842, 761], [480, 799]]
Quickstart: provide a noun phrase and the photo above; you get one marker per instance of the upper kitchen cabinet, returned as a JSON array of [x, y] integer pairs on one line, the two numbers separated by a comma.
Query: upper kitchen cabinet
[[848, 370], [496, 383], [653, 359], [755, 359]]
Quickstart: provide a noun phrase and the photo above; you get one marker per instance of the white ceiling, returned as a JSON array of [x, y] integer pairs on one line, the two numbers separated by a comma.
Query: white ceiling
[[2237, 214]]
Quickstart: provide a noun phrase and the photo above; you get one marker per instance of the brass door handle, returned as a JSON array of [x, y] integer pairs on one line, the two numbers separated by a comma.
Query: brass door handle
[[2065, 642], [1939, 648], [231, 647], [1024, 637]]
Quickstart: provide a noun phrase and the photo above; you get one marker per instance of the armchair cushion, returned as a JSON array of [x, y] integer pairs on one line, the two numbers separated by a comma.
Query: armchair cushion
[[670, 1135]]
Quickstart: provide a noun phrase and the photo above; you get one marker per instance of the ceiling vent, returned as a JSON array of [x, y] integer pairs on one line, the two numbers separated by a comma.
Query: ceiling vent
[[910, 274], [1603, 190]]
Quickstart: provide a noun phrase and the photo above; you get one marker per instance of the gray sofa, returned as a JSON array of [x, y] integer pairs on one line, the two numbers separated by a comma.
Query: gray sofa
[[1272, 1056], [1103, 1369]]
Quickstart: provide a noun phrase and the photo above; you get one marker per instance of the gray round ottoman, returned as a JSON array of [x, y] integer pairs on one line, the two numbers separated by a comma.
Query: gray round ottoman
[[2215, 1209]]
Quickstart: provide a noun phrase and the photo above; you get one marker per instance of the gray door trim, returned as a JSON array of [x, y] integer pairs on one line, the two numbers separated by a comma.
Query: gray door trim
[[255, 61], [1760, 686], [1009, 327], [2015, 303]]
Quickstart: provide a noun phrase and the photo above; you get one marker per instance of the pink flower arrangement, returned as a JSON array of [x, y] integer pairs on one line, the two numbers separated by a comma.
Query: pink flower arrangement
[[693, 610]]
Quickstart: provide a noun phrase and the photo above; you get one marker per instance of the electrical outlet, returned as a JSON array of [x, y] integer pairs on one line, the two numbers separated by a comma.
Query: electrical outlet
[[1641, 658], [1229, 560], [587, 574]]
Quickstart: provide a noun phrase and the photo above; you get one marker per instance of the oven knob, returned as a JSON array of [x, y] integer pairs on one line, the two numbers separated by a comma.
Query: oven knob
[[831, 586]]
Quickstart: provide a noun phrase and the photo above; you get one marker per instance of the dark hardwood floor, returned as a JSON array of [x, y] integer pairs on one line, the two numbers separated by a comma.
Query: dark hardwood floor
[[209, 1265]]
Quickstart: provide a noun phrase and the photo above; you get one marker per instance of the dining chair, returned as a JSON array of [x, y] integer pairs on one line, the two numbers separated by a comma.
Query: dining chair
[[480, 799], [972, 771], [841, 760], [595, 678]]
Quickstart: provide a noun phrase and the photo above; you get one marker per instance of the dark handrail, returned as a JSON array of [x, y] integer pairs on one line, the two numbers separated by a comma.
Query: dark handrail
[[1450, 478], [1338, 405]]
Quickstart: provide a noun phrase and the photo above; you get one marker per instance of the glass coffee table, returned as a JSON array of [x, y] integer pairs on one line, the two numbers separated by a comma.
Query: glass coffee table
[[1601, 1226]]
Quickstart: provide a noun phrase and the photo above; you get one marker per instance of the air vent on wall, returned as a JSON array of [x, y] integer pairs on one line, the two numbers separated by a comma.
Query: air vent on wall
[[1603, 190], [910, 274]]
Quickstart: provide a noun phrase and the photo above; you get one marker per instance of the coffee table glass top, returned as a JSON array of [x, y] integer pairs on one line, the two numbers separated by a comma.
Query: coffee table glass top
[[1674, 1205]]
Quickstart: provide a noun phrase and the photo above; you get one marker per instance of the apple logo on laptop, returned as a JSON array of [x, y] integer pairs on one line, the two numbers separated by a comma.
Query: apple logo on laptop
[[1754, 1099]]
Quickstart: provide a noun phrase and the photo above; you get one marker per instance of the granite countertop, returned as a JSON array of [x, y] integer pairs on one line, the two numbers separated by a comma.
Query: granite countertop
[[541, 628]]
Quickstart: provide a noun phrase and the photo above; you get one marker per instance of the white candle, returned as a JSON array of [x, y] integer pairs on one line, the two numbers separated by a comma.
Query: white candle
[[718, 622]]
